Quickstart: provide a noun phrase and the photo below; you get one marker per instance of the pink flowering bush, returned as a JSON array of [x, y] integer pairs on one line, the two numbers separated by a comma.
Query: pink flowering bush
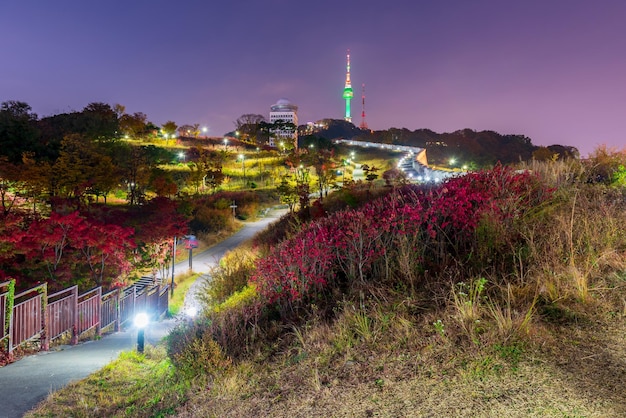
[[401, 235]]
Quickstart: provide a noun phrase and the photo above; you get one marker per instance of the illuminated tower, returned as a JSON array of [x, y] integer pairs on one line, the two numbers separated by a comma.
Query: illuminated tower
[[347, 91], [363, 124]]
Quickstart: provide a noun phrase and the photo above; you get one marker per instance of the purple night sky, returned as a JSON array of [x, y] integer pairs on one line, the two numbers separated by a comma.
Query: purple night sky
[[553, 70]]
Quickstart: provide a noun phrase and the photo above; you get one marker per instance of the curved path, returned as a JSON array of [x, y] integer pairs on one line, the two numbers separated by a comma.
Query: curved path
[[28, 381]]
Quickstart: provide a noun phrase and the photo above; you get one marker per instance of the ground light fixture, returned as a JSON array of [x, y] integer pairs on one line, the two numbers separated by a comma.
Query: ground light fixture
[[141, 321]]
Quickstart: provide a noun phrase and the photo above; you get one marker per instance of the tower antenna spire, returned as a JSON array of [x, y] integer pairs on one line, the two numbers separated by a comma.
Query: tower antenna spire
[[347, 90], [363, 122]]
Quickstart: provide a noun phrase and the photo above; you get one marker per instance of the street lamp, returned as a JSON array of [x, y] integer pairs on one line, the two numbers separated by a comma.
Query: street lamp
[[141, 322], [243, 166], [181, 155], [131, 186], [225, 143], [173, 264]]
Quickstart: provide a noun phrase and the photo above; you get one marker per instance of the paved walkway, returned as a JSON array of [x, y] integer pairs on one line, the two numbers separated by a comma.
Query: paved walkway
[[28, 381]]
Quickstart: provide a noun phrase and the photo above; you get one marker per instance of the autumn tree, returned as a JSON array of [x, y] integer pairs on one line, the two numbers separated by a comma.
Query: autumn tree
[[104, 252], [135, 165], [134, 125], [206, 167], [322, 161], [47, 245], [162, 183], [37, 181], [9, 180], [544, 154], [70, 249], [82, 168], [248, 126], [288, 193], [156, 223]]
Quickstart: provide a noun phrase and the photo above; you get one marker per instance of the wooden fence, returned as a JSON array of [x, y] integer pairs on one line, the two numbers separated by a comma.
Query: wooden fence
[[33, 315]]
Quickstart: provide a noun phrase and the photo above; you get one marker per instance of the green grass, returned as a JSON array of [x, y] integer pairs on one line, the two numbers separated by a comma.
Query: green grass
[[134, 385], [183, 283]]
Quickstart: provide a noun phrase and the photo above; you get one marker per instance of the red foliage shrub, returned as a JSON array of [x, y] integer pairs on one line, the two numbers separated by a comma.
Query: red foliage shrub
[[444, 219]]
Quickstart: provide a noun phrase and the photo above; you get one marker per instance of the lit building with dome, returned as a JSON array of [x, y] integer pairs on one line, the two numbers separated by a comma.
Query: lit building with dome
[[287, 112]]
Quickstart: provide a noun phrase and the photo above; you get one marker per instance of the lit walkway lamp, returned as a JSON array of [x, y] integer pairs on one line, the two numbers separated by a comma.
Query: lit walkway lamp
[[141, 321], [243, 166]]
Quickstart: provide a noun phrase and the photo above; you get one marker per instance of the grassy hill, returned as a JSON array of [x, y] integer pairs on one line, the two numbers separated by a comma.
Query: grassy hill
[[500, 293]]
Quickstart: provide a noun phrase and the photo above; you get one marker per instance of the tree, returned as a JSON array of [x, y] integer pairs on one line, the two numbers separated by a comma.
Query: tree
[[38, 181], [70, 249], [99, 122], [206, 168], [169, 130], [156, 223], [135, 168], [83, 169], [185, 131], [162, 183], [47, 243], [248, 125], [18, 132], [370, 173], [288, 193], [9, 181], [195, 130], [134, 126], [104, 249], [544, 154], [395, 178], [322, 161], [264, 132]]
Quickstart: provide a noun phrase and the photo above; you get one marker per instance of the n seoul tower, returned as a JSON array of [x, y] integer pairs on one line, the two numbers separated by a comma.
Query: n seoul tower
[[347, 91]]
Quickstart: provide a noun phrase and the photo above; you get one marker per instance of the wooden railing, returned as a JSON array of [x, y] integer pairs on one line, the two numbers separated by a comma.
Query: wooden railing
[[6, 295], [33, 315]]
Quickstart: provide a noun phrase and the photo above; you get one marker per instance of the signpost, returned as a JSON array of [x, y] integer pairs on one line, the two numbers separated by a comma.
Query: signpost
[[191, 243], [233, 207]]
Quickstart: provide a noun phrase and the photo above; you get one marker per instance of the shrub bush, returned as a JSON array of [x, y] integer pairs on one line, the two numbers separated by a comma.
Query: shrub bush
[[194, 352], [230, 276]]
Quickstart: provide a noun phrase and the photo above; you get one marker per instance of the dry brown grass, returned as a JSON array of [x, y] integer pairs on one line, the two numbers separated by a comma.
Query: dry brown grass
[[389, 363]]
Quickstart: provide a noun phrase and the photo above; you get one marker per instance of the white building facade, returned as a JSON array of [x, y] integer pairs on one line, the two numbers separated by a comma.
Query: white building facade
[[286, 112]]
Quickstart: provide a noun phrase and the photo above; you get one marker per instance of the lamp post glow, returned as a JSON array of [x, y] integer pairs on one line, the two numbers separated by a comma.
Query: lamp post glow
[[243, 166], [191, 312], [141, 321]]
